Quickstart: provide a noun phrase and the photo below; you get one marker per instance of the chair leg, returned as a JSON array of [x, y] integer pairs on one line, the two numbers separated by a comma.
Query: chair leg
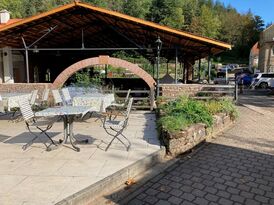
[[25, 146], [116, 136], [45, 132], [38, 136]]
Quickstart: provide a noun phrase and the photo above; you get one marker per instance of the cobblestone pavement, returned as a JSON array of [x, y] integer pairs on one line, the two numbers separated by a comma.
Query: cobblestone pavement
[[235, 168]]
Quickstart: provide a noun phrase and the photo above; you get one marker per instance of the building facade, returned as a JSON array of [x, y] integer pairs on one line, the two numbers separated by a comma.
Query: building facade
[[254, 57], [266, 54], [11, 62]]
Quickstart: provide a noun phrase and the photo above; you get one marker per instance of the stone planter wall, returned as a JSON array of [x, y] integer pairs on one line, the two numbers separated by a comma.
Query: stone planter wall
[[187, 139], [176, 90]]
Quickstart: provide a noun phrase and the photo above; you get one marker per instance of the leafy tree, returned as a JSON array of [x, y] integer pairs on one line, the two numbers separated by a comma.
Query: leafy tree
[[15, 7], [115, 5], [230, 30], [167, 12], [190, 10], [138, 8], [206, 24]]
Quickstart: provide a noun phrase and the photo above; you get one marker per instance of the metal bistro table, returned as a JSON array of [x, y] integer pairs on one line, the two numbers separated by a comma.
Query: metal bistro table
[[67, 113], [97, 100]]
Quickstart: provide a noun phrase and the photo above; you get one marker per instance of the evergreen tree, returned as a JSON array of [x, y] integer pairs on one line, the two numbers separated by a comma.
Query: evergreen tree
[[138, 8], [167, 12], [190, 10], [206, 24], [115, 5]]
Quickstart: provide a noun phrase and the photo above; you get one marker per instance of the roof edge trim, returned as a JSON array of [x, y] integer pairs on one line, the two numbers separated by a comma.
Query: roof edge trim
[[122, 16], [38, 16]]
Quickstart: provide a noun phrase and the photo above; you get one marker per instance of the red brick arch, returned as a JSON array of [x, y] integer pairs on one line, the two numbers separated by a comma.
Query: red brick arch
[[116, 62]]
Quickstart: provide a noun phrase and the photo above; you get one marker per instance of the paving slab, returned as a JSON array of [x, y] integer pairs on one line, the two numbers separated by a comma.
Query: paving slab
[[35, 176]]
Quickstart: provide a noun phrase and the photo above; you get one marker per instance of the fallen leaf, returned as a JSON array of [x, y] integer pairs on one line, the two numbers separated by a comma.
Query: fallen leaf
[[130, 181]]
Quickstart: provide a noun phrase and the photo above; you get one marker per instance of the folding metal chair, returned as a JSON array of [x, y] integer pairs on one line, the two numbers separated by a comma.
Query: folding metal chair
[[45, 97], [66, 95], [32, 122], [2, 108], [115, 128], [33, 97], [118, 108], [124, 104], [57, 97]]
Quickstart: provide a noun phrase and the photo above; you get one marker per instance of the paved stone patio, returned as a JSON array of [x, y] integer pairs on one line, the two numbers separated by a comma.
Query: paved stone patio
[[235, 168], [36, 176]]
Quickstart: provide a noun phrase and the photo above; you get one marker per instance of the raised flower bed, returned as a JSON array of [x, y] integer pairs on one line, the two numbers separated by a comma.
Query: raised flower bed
[[183, 123]]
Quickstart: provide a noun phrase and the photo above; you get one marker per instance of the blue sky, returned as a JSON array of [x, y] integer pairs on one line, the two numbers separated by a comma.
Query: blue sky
[[263, 8]]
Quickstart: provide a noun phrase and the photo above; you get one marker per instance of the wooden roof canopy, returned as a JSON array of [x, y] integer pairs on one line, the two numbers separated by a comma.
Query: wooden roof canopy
[[103, 28]]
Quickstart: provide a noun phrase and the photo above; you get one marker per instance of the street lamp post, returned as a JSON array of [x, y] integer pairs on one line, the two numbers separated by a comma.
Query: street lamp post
[[159, 47]]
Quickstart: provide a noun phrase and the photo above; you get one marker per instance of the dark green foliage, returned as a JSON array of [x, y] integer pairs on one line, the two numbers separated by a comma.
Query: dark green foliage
[[138, 8], [205, 17], [182, 112], [83, 79]]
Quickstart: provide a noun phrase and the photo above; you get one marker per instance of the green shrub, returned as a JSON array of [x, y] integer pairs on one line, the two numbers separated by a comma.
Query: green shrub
[[222, 106], [182, 112], [83, 79]]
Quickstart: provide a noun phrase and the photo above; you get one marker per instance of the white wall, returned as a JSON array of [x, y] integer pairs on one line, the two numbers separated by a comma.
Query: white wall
[[7, 65]]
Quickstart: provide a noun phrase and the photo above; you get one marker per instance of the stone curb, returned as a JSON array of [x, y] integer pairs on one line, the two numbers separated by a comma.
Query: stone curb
[[110, 183]]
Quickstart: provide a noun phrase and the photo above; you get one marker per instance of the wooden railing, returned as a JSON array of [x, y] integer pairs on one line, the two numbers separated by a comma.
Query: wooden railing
[[218, 92], [142, 99]]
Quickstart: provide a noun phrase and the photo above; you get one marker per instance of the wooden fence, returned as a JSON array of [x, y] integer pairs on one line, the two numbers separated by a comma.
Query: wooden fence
[[145, 99], [142, 99], [218, 92]]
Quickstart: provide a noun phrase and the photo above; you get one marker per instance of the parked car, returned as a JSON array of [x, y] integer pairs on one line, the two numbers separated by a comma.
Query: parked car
[[226, 68], [263, 80]]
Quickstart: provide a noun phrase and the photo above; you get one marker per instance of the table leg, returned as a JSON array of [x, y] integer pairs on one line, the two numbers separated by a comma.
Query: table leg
[[65, 139], [68, 133], [71, 135]]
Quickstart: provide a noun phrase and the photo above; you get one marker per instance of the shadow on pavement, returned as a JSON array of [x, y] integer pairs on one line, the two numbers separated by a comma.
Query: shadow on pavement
[[258, 98], [215, 174]]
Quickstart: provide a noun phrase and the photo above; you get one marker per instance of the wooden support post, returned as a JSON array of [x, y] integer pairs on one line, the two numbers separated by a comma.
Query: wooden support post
[[152, 98], [199, 70], [153, 70], [27, 64], [176, 62], [209, 66]]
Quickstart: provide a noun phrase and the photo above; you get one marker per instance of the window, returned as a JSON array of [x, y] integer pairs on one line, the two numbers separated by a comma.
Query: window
[[268, 75]]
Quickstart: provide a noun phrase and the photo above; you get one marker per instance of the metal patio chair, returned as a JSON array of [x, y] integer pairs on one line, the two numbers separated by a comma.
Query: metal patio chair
[[115, 127], [42, 124], [67, 97], [2, 108], [33, 97], [45, 97], [57, 97], [118, 108], [43, 102], [121, 105]]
